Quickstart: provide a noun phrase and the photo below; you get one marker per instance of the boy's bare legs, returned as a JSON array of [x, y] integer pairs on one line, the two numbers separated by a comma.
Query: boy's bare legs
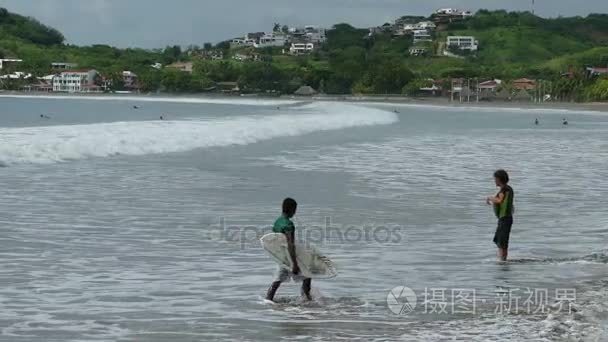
[[306, 285], [502, 254], [272, 291]]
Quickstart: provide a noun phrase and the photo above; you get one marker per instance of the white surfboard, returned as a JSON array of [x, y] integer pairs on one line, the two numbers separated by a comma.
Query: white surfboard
[[311, 262]]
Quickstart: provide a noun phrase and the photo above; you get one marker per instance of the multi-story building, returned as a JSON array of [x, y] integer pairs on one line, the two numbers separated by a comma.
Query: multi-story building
[[463, 42], [75, 81]]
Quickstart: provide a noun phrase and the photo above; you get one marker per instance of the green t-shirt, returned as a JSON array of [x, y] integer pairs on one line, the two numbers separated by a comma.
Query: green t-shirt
[[283, 225]]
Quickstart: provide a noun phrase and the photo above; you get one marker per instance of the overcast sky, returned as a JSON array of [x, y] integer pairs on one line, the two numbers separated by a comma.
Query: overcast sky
[[157, 23]]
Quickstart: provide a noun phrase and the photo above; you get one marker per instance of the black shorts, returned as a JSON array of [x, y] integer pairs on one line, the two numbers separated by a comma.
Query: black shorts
[[503, 231]]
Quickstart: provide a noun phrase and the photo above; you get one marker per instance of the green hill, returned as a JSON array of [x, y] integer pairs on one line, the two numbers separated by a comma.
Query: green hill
[[27, 29], [511, 45]]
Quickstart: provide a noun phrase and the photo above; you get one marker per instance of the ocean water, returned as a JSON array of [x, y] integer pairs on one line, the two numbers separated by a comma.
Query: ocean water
[[117, 226]]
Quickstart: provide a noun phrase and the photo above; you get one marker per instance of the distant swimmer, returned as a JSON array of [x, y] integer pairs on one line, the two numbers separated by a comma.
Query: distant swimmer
[[162, 118], [536, 122], [285, 225], [396, 111], [135, 107], [565, 122], [503, 208], [45, 116]]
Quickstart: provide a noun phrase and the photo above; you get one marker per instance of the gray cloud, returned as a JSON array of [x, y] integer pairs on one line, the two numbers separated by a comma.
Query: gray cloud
[[155, 23]]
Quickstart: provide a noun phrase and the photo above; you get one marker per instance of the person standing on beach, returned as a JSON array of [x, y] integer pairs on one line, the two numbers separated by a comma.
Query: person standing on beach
[[285, 225], [503, 208]]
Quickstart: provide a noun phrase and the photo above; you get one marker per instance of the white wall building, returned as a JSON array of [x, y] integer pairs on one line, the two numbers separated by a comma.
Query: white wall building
[[130, 79], [16, 76], [463, 42], [301, 48], [447, 11], [422, 36], [63, 66], [6, 61], [74, 81], [426, 25]]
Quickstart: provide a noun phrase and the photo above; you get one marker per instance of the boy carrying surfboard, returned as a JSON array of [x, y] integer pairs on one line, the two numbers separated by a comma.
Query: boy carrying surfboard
[[285, 226]]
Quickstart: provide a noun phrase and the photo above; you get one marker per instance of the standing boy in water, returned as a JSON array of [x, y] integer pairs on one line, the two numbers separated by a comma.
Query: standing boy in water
[[285, 226], [503, 208]]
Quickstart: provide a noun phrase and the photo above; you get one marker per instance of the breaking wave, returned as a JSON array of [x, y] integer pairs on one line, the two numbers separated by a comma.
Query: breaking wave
[[174, 99], [50, 144]]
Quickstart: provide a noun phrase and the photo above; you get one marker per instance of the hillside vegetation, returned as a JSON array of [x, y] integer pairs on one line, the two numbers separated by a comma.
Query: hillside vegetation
[[512, 45]]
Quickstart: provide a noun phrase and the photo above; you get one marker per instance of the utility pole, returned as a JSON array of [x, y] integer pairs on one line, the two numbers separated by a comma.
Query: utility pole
[[452, 92]]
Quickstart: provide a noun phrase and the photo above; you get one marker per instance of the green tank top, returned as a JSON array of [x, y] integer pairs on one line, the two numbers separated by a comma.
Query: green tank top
[[505, 209]]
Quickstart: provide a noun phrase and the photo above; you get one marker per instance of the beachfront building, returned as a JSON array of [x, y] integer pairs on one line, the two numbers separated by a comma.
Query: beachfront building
[[301, 48], [76, 81], [487, 89], [463, 43], [17, 75], [524, 84], [130, 80], [421, 36], [63, 66], [5, 62]]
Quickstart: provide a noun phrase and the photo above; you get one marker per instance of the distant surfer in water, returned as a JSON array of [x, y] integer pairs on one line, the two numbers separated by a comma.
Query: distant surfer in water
[[536, 122], [45, 116], [565, 122], [284, 225], [503, 208]]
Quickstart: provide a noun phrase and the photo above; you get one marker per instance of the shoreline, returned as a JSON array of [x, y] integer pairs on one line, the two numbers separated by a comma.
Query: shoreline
[[600, 107]]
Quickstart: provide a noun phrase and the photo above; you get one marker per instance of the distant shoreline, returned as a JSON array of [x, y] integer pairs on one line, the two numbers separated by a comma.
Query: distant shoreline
[[600, 107]]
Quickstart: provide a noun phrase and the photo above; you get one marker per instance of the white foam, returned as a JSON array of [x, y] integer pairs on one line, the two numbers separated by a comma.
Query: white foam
[[487, 108], [175, 99], [51, 144]]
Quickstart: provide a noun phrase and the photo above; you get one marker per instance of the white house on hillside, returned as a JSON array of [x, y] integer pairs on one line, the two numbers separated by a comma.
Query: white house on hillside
[[7, 61], [271, 40], [463, 42], [422, 36], [301, 48]]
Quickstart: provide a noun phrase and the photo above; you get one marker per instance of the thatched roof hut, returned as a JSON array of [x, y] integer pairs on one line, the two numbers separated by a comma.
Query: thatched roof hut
[[305, 91]]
